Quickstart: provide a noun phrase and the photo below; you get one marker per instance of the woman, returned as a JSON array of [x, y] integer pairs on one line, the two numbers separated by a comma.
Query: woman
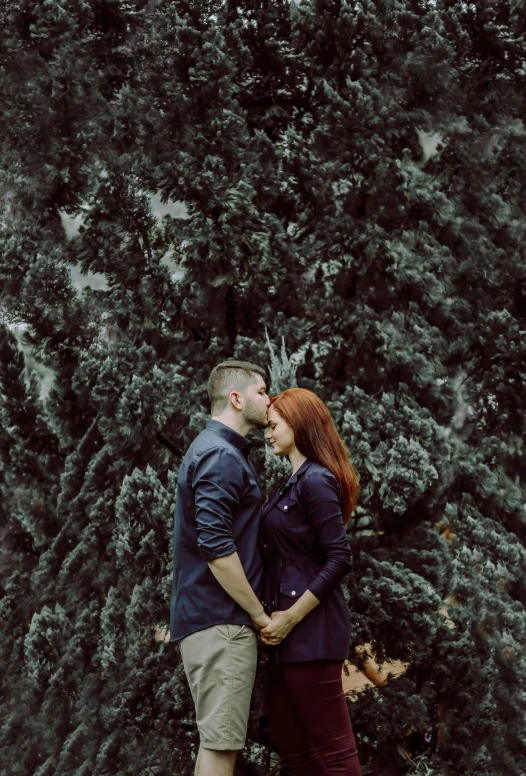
[[306, 554]]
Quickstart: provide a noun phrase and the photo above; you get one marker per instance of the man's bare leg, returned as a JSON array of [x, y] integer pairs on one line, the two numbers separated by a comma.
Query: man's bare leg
[[215, 762]]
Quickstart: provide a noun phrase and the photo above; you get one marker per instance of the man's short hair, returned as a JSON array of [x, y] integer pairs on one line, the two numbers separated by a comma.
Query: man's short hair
[[227, 377]]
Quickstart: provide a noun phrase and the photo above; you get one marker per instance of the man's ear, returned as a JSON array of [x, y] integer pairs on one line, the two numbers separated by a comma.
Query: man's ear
[[236, 400]]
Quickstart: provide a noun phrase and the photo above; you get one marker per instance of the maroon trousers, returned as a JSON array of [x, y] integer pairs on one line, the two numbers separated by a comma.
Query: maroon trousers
[[309, 719]]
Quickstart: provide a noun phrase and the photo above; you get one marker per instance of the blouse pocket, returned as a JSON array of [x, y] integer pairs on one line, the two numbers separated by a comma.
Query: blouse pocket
[[291, 514], [286, 504], [291, 589]]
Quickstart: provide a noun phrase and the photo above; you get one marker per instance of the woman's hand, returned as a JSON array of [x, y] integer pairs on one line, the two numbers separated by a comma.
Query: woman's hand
[[279, 627]]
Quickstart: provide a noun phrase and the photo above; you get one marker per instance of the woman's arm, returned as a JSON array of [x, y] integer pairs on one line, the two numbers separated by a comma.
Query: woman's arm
[[282, 623], [320, 498]]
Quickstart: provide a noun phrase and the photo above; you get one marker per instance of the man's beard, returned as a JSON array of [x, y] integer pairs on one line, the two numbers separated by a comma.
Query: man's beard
[[253, 415]]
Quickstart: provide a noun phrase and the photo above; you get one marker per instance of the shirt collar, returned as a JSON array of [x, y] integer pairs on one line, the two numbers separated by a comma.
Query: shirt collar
[[303, 468], [238, 440]]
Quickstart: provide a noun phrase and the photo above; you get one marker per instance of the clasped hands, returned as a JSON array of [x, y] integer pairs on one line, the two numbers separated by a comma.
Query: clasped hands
[[275, 628]]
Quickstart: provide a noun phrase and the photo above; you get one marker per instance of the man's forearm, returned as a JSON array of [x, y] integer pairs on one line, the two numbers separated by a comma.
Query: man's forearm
[[231, 576]]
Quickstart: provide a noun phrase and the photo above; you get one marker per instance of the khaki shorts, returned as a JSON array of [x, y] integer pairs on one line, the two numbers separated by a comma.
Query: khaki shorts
[[220, 665]]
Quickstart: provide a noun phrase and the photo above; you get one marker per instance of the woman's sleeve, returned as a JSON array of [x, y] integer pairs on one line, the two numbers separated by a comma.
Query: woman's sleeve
[[320, 497]]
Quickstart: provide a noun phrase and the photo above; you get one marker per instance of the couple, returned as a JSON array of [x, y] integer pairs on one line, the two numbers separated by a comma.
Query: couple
[[239, 571]]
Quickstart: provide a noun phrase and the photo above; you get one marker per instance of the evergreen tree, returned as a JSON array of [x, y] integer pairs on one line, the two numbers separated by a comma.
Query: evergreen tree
[[346, 179]]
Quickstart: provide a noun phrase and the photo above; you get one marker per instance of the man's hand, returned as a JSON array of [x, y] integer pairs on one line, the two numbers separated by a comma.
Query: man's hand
[[261, 620], [279, 627]]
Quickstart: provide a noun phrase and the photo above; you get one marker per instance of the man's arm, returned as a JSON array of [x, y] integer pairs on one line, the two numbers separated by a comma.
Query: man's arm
[[230, 574], [217, 482]]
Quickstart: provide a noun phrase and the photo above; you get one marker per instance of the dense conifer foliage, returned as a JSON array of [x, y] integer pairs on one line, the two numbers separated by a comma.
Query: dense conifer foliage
[[179, 182]]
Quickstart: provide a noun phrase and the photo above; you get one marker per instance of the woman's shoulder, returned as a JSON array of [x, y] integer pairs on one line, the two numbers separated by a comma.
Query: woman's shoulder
[[319, 473]]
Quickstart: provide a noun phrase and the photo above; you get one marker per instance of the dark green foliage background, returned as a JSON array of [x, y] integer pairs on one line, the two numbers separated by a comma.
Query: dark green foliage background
[[295, 135]]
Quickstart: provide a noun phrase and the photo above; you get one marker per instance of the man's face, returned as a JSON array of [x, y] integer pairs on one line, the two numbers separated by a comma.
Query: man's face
[[256, 404]]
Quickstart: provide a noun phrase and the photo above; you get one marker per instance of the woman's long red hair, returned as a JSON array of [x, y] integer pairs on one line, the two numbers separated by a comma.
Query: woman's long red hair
[[316, 437]]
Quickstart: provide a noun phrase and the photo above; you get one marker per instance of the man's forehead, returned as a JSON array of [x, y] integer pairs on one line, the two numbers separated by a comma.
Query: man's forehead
[[260, 382]]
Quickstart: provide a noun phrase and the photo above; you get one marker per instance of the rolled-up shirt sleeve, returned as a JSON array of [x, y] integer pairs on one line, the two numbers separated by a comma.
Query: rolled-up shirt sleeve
[[320, 496], [217, 483]]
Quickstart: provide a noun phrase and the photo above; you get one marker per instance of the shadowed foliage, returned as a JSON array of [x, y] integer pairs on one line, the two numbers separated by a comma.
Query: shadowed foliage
[[178, 180]]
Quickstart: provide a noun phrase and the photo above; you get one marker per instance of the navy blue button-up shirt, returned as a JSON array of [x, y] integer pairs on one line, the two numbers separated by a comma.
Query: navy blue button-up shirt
[[218, 512], [305, 547]]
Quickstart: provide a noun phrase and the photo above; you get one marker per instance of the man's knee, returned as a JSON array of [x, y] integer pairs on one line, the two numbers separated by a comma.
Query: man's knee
[[227, 753], [215, 762]]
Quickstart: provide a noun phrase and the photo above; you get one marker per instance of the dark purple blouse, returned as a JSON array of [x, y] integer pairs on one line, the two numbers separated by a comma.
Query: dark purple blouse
[[305, 547]]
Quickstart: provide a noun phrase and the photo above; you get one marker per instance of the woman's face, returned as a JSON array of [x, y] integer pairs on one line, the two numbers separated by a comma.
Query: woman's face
[[279, 433]]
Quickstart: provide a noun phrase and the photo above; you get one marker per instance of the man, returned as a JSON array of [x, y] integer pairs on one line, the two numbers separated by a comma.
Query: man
[[215, 609]]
